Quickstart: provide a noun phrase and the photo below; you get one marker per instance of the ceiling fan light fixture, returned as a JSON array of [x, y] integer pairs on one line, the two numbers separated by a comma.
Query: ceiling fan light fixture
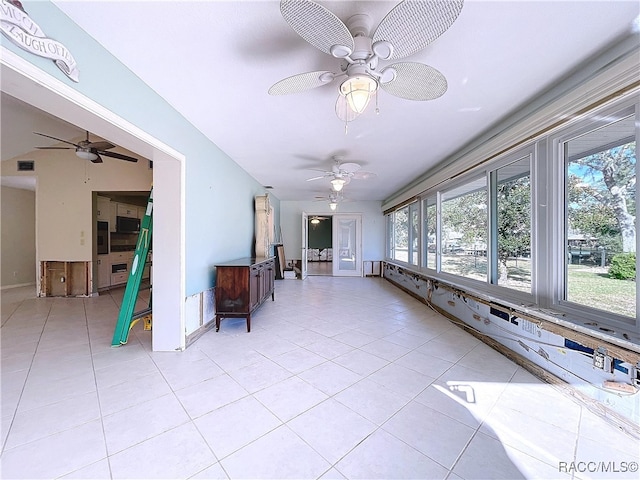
[[315, 221], [333, 205], [337, 184], [358, 90], [86, 154]]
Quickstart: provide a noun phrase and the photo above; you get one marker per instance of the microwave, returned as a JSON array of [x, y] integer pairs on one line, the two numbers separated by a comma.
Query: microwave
[[127, 225]]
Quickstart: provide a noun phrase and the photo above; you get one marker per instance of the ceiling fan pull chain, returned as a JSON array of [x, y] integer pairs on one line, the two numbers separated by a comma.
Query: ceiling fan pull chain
[[377, 109], [346, 126]]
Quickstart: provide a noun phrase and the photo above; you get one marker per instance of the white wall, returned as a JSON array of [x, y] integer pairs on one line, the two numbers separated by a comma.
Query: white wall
[[372, 225], [18, 240], [63, 207]]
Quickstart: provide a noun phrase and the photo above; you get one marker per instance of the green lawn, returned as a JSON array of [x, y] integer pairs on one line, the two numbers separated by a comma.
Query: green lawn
[[589, 286], [595, 289]]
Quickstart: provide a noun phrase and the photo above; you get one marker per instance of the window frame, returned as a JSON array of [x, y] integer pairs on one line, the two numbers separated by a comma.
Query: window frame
[[593, 121], [459, 183], [548, 197], [390, 241]]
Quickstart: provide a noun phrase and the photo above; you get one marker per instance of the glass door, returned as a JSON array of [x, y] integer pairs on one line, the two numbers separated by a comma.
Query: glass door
[[347, 245]]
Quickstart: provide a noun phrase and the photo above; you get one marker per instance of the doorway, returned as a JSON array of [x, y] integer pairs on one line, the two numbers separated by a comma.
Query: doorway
[[344, 257], [319, 246], [27, 83], [347, 245]]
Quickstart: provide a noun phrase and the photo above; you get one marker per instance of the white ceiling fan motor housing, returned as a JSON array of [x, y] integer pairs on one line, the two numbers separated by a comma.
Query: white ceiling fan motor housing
[[359, 25]]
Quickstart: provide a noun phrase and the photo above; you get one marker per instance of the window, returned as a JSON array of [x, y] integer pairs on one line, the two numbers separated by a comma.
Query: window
[[551, 224], [429, 234], [414, 233], [403, 227], [401, 234], [389, 240], [512, 226], [600, 218], [464, 230]]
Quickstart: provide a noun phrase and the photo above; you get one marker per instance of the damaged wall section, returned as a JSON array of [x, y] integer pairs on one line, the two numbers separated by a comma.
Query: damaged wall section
[[604, 373]]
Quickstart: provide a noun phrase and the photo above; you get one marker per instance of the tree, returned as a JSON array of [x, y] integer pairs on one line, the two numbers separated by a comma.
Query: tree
[[602, 186], [467, 215], [514, 221], [401, 229]]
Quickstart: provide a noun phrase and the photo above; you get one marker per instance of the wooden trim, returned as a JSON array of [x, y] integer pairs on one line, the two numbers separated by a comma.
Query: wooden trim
[[409, 201]]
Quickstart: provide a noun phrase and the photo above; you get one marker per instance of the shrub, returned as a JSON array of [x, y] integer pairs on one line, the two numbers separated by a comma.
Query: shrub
[[623, 266]]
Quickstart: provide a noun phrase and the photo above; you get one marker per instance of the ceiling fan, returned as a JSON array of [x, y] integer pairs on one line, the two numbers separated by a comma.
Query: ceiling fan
[[409, 27], [343, 173], [333, 198], [315, 220], [88, 150]]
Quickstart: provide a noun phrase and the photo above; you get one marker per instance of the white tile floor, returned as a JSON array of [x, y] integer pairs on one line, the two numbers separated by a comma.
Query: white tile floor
[[339, 378]]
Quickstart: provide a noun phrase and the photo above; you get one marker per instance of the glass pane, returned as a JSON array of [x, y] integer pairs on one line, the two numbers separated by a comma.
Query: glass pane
[[601, 218], [401, 234], [347, 244], [413, 233], [464, 230], [429, 232], [390, 246], [514, 225]]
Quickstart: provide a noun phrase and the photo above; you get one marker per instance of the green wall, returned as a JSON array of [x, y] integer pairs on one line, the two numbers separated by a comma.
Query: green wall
[[320, 234]]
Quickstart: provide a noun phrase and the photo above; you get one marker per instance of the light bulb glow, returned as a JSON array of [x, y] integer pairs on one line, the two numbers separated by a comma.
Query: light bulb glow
[[333, 205], [358, 90], [337, 184], [86, 154]]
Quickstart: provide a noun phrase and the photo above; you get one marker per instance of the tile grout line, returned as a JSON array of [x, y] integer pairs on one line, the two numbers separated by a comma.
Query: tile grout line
[[15, 412]]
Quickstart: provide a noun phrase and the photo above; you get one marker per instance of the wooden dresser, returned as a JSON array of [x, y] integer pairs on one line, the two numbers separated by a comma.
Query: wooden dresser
[[242, 285]]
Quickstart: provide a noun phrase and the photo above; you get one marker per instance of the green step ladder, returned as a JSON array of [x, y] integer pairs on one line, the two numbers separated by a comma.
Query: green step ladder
[[127, 318]]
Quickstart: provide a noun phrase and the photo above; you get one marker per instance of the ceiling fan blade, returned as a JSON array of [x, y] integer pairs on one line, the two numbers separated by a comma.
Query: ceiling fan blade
[[316, 178], [58, 139], [301, 82], [54, 148], [415, 81], [98, 158], [349, 167], [101, 145], [362, 175], [114, 155], [412, 25], [317, 25]]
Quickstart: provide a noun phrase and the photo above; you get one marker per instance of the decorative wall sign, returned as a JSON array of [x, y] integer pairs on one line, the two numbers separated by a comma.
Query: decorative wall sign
[[18, 27]]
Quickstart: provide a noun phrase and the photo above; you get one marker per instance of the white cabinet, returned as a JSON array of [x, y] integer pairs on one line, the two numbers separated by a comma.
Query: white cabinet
[[129, 211], [103, 212], [119, 278], [104, 271], [113, 212], [122, 257], [120, 264]]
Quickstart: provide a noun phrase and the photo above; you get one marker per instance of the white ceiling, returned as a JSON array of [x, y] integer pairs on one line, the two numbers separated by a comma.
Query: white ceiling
[[214, 61]]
